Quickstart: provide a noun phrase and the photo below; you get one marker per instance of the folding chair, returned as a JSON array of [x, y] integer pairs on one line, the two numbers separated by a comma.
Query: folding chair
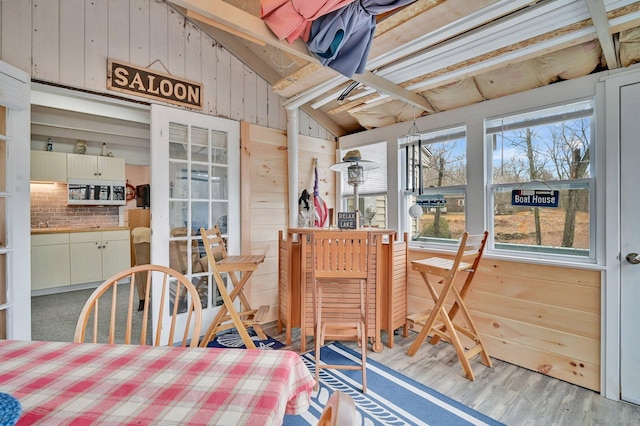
[[244, 266], [341, 276], [466, 260]]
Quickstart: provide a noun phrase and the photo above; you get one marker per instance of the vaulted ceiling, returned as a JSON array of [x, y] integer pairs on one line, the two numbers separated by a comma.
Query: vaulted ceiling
[[432, 55]]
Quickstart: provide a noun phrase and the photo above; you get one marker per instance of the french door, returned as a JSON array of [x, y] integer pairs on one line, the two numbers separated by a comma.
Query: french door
[[195, 182], [15, 269]]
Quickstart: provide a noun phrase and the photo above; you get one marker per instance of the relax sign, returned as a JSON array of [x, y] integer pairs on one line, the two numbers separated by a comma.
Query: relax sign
[[129, 79]]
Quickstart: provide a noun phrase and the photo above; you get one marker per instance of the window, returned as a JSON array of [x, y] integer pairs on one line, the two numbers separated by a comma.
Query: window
[[372, 202], [434, 185], [542, 153]]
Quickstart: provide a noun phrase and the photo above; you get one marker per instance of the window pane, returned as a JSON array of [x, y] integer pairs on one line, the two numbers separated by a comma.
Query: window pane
[[200, 181], [562, 230], [199, 145], [444, 224], [373, 210], [375, 180], [556, 151], [178, 141], [219, 183], [179, 180], [219, 215], [444, 164]]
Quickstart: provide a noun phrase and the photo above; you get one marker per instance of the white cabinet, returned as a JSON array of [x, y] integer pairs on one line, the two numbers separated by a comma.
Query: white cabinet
[[48, 166], [50, 261], [81, 166], [95, 256]]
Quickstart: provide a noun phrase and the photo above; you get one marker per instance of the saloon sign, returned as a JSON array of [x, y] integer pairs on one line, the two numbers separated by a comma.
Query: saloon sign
[[130, 79]]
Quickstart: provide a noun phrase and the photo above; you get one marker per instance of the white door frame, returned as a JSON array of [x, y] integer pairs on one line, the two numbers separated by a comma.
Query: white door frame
[[15, 96], [609, 94], [630, 243]]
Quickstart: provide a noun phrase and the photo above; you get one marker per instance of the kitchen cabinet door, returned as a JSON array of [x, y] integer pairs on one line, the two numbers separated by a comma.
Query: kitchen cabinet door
[[86, 260], [116, 253], [95, 256], [48, 166], [50, 261], [110, 168], [81, 166], [93, 167]]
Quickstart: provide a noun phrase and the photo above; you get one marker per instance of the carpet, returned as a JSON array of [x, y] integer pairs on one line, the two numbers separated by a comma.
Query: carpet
[[391, 398], [233, 340]]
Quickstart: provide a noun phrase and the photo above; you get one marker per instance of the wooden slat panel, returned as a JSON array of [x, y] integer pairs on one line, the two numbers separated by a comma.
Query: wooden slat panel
[[531, 315], [571, 370], [580, 297], [546, 339]]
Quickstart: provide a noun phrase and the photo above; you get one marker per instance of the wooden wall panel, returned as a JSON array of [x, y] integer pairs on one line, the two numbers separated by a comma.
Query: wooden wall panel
[[122, 43], [72, 42], [265, 209], [176, 38], [140, 42], [96, 43], [540, 317], [15, 34], [45, 39], [73, 50], [158, 16]]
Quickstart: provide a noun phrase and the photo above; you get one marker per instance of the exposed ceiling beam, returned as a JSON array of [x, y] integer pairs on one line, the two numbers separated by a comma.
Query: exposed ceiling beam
[[239, 20], [601, 23], [246, 56]]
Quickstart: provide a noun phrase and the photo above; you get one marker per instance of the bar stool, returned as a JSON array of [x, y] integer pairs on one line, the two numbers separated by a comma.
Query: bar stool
[[341, 275], [466, 260], [244, 266]]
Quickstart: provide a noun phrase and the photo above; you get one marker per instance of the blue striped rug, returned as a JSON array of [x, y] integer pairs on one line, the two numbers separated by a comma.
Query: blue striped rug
[[391, 398]]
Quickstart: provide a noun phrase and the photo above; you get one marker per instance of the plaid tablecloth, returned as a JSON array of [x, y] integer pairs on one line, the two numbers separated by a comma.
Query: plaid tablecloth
[[80, 384]]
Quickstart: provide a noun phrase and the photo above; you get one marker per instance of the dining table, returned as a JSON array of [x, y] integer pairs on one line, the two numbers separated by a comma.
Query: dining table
[[62, 383]]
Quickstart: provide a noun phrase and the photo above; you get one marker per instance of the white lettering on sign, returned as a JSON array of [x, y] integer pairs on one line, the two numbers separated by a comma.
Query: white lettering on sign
[[535, 198]]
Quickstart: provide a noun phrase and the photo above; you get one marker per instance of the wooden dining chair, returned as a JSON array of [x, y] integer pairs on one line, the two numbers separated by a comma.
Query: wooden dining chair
[[108, 320], [341, 276], [439, 322], [238, 269]]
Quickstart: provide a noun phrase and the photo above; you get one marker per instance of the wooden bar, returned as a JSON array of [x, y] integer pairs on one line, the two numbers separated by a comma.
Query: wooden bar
[[389, 289]]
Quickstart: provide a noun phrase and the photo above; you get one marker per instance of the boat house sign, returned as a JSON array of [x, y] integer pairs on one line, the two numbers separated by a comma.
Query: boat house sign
[[130, 79]]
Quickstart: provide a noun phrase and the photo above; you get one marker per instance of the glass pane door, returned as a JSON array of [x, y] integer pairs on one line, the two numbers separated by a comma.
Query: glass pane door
[[197, 165]]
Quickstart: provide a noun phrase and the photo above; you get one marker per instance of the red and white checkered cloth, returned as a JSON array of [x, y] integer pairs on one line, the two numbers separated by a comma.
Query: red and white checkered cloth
[[82, 384]]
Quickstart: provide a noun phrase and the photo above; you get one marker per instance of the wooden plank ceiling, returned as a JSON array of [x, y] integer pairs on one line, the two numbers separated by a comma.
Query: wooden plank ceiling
[[432, 55]]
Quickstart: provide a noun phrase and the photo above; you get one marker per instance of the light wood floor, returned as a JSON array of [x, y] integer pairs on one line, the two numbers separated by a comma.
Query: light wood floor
[[505, 392]]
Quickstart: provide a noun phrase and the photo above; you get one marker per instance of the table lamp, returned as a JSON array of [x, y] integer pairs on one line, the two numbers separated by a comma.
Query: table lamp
[[355, 168]]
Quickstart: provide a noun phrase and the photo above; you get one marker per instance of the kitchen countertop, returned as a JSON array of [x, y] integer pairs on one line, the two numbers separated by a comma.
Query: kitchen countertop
[[41, 231]]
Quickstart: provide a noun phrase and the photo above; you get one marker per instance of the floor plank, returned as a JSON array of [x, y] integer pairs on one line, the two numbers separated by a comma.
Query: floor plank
[[505, 392]]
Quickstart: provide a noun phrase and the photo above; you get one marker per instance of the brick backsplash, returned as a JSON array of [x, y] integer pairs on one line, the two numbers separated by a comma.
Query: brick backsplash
[[49, 204]]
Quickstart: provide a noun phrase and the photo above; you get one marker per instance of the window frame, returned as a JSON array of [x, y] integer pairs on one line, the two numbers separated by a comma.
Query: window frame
[[450, 133], [589, 182]]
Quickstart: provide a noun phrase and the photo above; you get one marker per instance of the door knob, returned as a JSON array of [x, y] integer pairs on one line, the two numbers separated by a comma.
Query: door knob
[[633, 258]]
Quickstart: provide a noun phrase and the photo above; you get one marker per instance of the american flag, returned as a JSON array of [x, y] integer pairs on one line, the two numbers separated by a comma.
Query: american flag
[[322, 213]]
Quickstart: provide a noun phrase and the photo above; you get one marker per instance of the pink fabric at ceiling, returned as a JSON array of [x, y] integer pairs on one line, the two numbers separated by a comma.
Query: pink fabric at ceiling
[[291, 19]]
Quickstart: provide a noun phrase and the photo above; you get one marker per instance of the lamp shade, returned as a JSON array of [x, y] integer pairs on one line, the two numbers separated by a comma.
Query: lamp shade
[[344, 166]]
